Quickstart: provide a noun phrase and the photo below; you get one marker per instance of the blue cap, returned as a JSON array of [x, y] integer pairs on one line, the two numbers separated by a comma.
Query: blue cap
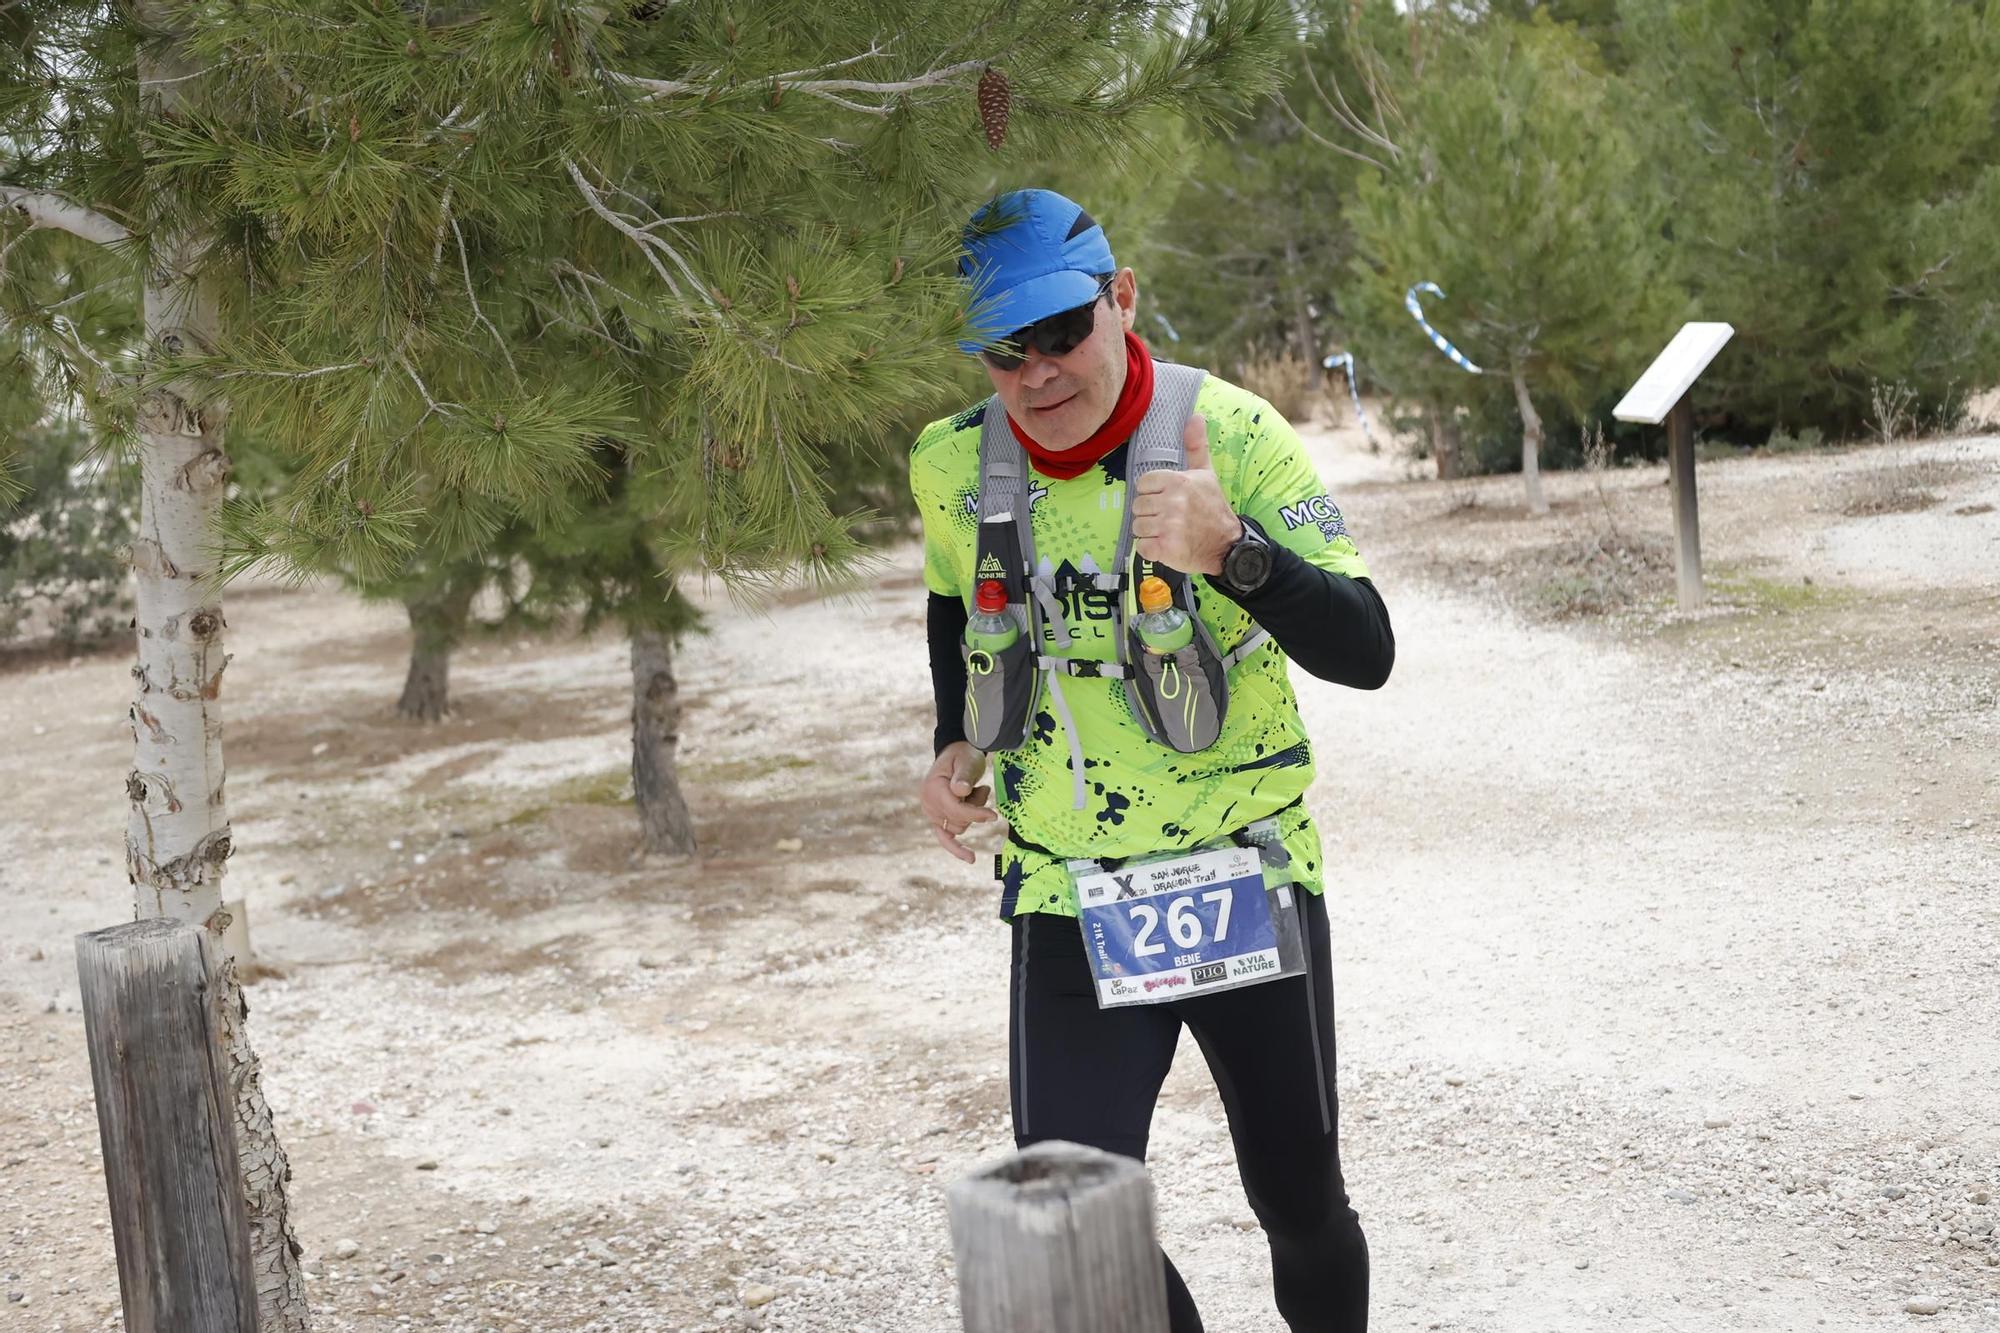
[[1030, 254]]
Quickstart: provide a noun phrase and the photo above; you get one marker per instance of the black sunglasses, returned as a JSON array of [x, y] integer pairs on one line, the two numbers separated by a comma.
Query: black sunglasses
[[1056, 335]]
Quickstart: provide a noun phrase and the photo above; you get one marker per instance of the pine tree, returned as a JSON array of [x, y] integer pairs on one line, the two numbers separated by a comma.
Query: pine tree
[[436, 589], [1516, 188], [818, 301], [609, 570], [436, 585], [1600, 22], [438, 598], [1833, 169], [436, 254], [1252, 256]]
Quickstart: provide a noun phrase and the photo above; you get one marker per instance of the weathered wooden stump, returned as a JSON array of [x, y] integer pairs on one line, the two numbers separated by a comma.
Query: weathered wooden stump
[[165, 1116], [1058, 1238]]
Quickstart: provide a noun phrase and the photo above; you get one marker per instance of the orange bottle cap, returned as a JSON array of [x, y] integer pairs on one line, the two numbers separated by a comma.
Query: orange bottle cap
[[1154, 594]]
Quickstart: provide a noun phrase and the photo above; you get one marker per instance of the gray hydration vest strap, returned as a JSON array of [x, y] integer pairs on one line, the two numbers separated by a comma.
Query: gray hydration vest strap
[[1252, 641], [1002, 487], [1160, 443], [1002, 480], [1157, 443]]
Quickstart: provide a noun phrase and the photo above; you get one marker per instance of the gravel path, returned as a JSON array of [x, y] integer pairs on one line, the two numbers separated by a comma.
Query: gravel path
[[1666, 968]]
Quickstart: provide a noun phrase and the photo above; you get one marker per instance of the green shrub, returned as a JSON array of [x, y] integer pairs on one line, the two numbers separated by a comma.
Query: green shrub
[[62, 547]]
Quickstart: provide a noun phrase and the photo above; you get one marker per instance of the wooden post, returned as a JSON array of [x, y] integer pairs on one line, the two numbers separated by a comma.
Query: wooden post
[[1687, 522], [1058, 1238], [164, 1114], [1662, 395]]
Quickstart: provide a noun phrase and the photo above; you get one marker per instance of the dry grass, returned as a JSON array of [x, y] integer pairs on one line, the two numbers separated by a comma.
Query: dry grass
[[1598, 573], [1601, 570], [1908, 483], [1905, 486], [1891, 410], [1283, 380]]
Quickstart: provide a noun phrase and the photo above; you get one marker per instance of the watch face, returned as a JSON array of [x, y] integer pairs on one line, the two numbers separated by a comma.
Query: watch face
[[1248, 564]]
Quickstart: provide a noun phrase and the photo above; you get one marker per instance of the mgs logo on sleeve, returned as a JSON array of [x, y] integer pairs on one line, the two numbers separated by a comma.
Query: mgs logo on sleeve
[[1320, 511]]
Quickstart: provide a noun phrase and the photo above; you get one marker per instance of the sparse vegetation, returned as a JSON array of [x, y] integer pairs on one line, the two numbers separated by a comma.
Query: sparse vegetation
[[1599, 573], [1905, 486], [1803, 440], [746, 769], [1283, 380], [62, 566], [1891, 411], [1757, 593]]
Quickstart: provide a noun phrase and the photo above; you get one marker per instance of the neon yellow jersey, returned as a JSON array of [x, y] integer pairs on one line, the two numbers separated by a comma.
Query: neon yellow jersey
[[1141, 797]]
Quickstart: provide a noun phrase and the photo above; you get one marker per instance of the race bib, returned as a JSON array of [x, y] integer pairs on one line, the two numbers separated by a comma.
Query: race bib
[[1168, 927]]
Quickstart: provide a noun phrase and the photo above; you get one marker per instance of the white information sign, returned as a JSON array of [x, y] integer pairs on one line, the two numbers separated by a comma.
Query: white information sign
[[1672, 372]]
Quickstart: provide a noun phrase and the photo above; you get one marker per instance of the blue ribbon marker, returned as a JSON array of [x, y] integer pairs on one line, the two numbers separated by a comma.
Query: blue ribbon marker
[[1346, 360], [1416, 313]]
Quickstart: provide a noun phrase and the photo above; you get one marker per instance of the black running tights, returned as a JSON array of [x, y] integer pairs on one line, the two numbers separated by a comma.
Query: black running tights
[[1092, 1076]]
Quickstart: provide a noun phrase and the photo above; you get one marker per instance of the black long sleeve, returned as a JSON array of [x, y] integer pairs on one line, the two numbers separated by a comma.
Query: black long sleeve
[[1334, 626], [944, 625]]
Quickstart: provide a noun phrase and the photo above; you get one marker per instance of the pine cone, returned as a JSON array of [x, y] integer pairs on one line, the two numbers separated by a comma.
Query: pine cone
[[995, 100]]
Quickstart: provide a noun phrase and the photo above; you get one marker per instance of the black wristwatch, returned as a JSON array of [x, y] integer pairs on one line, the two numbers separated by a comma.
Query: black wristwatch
[[1247, 564]]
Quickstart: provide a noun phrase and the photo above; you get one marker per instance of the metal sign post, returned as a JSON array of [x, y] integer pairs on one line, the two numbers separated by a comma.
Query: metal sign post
[[1662, 395]]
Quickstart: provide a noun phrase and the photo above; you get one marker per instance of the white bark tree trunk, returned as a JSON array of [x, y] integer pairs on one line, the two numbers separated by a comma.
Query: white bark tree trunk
[[1531, 443], [177, 837]]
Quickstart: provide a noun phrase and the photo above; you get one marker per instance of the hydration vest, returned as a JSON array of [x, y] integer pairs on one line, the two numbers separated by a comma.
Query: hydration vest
[[1179, 699]]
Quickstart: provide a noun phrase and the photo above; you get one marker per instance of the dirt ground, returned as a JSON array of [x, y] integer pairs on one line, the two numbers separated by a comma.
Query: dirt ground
[[1668, 946]]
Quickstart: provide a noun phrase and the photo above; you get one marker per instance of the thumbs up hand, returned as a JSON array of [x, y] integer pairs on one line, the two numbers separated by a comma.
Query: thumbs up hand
[[1180, 519]]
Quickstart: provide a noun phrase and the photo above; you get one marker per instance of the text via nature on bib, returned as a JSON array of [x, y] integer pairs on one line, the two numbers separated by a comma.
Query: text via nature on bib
[[1165, 928]]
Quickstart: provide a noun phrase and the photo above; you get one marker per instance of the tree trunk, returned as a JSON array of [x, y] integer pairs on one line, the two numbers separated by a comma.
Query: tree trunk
[[426, 687], [1302, 316], [178, 837], [664, 823], [1531, 443], [436, 624], [1444, 439]]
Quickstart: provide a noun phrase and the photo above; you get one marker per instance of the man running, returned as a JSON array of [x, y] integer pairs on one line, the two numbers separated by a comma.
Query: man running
[[1108, 772]]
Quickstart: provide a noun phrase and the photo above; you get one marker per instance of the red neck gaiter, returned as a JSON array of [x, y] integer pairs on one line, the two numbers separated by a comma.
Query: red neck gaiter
[[1133, 401]]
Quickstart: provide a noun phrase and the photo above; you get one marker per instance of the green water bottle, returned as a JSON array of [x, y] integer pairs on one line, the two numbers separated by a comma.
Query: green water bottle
[[1163, 627], [990, 629]]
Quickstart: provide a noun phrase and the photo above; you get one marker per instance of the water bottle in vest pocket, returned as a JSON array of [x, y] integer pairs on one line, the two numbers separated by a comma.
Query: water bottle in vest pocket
[[998, 653], [1178, 688]]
